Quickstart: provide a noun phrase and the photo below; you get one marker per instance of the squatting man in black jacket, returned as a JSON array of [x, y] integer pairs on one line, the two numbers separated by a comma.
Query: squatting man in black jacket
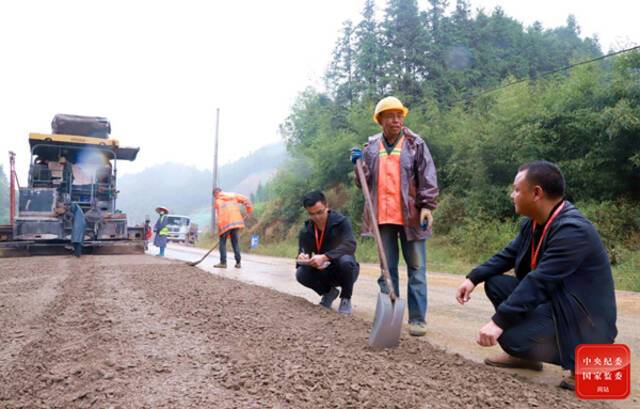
[[327, 253], [562, 294]]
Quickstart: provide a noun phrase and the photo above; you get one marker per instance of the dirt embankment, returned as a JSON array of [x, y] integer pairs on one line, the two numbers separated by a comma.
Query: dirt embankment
[[137, 331]]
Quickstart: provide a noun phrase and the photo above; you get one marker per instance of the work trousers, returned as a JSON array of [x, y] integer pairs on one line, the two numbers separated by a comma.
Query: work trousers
[[342, 272], [233, 233], [77, 249], [415, 255], [534, 337]]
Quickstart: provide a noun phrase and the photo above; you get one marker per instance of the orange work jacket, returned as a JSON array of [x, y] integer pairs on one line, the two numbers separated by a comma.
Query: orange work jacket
[[228, 206], [389, 186]]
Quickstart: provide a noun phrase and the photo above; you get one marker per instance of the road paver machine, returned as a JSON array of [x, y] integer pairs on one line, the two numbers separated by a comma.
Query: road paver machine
[[76, 163]]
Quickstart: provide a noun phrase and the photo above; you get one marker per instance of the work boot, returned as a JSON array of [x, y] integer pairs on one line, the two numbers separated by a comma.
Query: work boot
[[417, 329], [327, 299], [220, 265], [237, 265], [568, 380], [504, 360], [345, 306]]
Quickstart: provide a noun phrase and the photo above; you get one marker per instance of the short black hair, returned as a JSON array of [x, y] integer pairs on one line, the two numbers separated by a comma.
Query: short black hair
[[312, 198], [547, 175]]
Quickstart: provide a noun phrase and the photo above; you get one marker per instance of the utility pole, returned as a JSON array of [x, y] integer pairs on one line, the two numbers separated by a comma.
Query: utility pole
[[215, 175], [12, 187]]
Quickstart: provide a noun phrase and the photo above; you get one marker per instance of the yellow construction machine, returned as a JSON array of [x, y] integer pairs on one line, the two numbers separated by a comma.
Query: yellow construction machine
[[76, 163]]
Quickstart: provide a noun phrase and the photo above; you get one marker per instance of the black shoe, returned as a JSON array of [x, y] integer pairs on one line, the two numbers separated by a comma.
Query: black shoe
[[327, 299], [568, 381], [237, 265], [345, 307]]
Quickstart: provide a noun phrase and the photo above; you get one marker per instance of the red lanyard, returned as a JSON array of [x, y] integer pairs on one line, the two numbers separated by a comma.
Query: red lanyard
[[319, 243], [536, 251]]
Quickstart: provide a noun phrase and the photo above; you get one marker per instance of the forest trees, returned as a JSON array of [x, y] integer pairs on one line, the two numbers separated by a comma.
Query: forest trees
[[453, 67]]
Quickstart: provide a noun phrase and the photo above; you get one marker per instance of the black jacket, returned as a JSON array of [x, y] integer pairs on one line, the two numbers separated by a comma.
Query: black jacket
[[573, 274], [338, 239]]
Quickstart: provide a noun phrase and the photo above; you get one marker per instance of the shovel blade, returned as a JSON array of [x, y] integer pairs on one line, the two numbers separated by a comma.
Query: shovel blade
[[387, 324]]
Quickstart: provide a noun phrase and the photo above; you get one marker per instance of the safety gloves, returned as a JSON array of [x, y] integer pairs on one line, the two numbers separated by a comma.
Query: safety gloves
[[426, 218], [356, 153]]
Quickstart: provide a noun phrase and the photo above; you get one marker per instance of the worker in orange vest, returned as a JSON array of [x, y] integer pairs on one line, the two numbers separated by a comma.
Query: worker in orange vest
[[402, 180], [230, 221]]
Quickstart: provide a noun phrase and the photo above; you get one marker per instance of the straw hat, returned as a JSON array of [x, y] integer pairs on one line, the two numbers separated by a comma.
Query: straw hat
[[162, 208]]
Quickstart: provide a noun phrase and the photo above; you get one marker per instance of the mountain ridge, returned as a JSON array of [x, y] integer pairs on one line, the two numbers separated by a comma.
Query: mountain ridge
[[186, 190]]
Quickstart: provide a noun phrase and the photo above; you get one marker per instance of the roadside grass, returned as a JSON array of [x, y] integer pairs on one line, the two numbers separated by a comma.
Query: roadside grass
[[626, 274], [442, 257], [205, 241], [283, 248]]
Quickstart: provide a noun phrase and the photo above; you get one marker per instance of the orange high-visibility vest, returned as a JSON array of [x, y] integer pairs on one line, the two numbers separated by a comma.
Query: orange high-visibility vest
[[389, 191], [228, 211]]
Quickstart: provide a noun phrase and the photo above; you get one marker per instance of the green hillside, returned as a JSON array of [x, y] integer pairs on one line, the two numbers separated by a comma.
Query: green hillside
[[187, 190], [480, 94]]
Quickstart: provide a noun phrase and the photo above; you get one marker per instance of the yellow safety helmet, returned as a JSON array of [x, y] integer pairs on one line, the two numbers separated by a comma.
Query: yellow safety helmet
[[386, 104]]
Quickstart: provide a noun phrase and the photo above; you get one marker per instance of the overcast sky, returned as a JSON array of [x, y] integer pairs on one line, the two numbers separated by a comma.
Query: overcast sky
[[158, 69]]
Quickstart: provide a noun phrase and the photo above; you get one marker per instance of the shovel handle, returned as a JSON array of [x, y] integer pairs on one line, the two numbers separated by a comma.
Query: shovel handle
[[195, 263], [374, 228]]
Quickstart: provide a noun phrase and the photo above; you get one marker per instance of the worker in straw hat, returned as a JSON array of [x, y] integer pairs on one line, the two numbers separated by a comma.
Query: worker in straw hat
[[402, 180], [161, 229]]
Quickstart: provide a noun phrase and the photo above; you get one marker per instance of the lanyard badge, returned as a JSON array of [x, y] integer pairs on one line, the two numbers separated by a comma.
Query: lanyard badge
[[535, 250], [319, 242]]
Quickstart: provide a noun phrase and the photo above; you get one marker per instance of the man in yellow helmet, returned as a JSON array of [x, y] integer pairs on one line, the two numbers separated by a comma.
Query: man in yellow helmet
[[404, 187]]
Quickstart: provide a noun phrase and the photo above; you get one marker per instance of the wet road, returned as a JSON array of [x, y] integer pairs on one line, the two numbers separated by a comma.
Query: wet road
[[450, 326]]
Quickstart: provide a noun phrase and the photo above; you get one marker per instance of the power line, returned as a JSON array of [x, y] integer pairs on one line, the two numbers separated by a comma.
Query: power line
[[544, 74]]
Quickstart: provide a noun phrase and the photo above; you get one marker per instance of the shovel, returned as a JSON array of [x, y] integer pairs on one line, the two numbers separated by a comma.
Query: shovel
[[215, 245], [387, 323], [195, 263]]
